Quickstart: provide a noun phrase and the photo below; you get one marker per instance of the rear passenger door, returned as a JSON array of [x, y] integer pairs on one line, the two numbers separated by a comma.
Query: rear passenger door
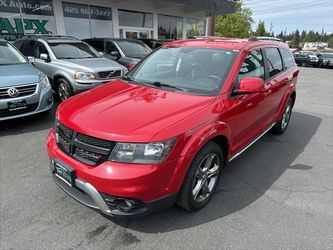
[[277, 81]]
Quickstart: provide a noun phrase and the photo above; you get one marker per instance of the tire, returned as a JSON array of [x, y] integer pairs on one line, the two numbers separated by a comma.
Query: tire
[[282, 124], [198, 187], [63, 89]]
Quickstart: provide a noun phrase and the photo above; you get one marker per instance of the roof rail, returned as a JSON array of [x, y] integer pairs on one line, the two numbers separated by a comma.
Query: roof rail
[[207, 37], [48, 35], [258, 38]]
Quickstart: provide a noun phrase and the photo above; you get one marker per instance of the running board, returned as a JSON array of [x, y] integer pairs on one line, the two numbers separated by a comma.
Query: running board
[[249, 145]]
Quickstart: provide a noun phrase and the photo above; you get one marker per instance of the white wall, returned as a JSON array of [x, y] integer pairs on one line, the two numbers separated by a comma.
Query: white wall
[[155, 7]]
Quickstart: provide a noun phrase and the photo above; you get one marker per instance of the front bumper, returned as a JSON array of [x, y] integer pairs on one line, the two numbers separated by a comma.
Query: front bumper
[[40, 102], [80, 86], [150, 187], [87, 194]]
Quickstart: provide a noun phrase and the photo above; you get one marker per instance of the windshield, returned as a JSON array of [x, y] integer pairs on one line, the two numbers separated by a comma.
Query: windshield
[[327, 56], [192, 70], [308, 53], [73, 51], [133, 49], [10, 55]]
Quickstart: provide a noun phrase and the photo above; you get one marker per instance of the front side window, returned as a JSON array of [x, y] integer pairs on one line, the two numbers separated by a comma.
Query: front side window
[[10, 55], [73, 50], [200, 71], [40, 49], [287, 58], [274, 61], [110, 47], [253, 66]]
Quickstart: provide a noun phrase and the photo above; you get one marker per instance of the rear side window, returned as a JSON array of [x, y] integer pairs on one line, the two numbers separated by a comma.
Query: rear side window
[[253, 66], [274, 61], [28, 48], [288, 59]]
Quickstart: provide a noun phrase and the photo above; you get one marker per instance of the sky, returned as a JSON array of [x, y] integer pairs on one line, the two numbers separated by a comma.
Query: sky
[[292, 14]]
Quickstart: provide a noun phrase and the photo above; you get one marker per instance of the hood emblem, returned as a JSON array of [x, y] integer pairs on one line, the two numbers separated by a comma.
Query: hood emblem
[[13, 92]]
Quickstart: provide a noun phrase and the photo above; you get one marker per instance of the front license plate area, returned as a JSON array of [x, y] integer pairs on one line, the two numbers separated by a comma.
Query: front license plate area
[[65, 173], [17, 105]]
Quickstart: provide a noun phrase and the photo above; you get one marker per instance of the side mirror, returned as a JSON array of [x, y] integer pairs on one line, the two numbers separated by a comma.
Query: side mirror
[[31, 59], [115, 54], [101, 53], [250, 85], [44, 57]]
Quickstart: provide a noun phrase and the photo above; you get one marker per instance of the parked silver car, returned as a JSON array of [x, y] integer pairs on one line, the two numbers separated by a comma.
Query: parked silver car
[[71, 65], [24, 90]]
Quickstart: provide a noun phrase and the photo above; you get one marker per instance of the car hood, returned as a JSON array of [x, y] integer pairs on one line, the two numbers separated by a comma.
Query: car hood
[[92, 64], [18, 74], [124, 112]]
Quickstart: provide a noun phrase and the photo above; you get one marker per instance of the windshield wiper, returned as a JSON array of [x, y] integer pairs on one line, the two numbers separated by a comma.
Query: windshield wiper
[[159, 84]]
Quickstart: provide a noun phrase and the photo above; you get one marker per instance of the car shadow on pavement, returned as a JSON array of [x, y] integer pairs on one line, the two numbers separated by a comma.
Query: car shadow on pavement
[[28, 124], [243, 181]]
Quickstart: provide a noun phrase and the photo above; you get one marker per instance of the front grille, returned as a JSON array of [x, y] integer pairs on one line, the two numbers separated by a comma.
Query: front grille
[[109, 74], [84, 148], [29, 108], [22, 91]]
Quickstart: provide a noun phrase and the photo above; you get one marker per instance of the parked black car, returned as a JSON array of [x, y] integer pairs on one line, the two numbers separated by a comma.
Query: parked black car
[[326, 59], [124, 51], [155, 43], [306, 58]]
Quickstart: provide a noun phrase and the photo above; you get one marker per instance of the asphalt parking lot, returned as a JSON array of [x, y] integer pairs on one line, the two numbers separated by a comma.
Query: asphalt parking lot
[[277, 195]]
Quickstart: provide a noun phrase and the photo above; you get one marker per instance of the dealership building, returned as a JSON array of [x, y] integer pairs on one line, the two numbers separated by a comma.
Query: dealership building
[[160, 19]]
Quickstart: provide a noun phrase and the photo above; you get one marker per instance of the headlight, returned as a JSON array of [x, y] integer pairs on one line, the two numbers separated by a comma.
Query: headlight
[[154, 152], [45, 82], [84, 76]]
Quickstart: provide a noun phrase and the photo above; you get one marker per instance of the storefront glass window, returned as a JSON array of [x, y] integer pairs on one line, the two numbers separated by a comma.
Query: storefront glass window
[[86, 21], [195, 27], [170, 27], [32, 17], [135, 19]]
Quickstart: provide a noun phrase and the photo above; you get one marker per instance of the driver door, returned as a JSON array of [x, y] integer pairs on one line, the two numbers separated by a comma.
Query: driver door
[[41, 64], [251, 109]]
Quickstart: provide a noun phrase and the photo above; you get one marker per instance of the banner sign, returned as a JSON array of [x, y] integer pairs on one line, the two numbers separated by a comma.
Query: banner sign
[[33, 7], [82, 11]]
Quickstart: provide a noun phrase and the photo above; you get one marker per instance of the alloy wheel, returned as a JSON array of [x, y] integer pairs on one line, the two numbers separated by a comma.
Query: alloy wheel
[[286, 116], [63, 91], [205, 178]]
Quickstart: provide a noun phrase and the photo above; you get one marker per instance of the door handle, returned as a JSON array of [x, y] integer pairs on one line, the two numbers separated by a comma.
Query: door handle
[[267, 92]]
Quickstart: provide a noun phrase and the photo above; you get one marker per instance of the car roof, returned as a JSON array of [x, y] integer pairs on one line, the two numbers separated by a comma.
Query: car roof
[[225, 43], [50, 38]]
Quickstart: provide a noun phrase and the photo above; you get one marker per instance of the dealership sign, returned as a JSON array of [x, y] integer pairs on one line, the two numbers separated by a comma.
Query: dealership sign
[[37, 18]]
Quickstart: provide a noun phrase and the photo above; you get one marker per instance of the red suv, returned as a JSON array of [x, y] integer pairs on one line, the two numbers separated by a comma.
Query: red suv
[[162, 133]]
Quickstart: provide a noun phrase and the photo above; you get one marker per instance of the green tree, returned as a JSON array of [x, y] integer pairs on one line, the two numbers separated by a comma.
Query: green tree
[[296, 39], [261, 29], [237, 24]]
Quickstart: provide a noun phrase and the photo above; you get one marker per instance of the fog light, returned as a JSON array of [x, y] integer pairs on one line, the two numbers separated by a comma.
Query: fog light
[[124, 205]]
